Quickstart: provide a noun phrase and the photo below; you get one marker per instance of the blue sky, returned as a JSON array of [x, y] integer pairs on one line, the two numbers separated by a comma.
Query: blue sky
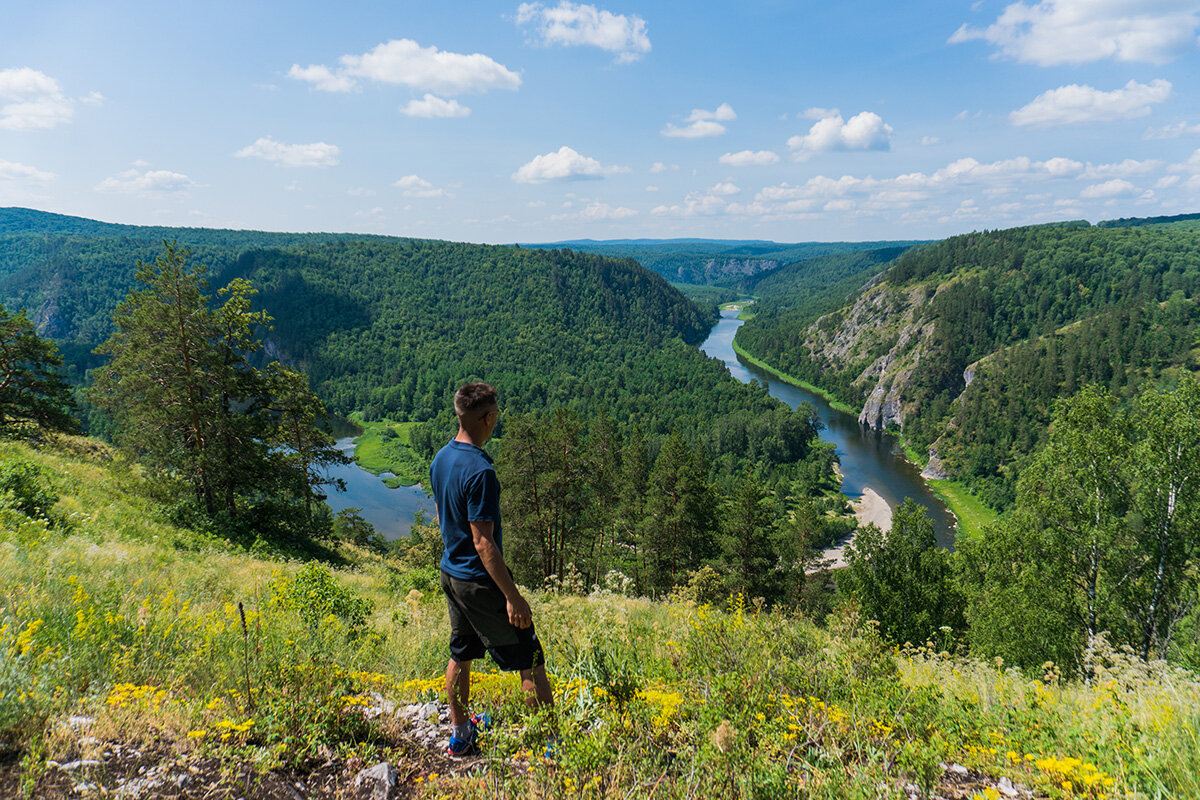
[[502, 122]]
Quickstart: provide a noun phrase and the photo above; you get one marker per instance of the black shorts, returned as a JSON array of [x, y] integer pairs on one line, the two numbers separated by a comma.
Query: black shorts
[[479, 623]]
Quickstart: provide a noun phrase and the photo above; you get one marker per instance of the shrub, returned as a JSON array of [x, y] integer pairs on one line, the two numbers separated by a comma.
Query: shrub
[[314, 594], [25, 486]]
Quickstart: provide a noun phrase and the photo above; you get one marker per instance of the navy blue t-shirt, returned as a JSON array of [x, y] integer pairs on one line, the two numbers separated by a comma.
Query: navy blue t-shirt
[[466, 490]]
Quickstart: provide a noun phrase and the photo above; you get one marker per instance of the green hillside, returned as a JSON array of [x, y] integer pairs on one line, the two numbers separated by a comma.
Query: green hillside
[[389, 326], [144, 657], [965, 343], [718, 262]]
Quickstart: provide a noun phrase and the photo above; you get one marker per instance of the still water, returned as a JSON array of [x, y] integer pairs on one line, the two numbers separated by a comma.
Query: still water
[[868, 458], [389, 510]]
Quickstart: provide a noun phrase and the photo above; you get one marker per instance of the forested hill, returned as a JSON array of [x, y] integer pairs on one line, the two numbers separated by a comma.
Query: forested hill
[[720, 262], [965, 343], [390, 326]]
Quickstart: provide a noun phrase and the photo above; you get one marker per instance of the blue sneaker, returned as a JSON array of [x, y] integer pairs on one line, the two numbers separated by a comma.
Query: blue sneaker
[[458, 748]]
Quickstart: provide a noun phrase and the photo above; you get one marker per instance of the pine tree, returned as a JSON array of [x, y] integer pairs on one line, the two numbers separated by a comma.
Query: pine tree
[[30, 387], [187, 400]]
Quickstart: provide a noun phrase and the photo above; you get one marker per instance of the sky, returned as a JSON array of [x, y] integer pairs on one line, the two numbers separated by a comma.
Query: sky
[[546, 121]]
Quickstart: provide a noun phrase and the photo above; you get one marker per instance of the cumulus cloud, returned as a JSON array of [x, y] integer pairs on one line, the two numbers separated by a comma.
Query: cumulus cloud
[[317, 154], [930, 140], [724, 188], [1074, 103], [12, 171], [863, 131], [1129, 168], [1078, 31], [702, 123], [563, 165], [323, 78], [406, 63], [1172, 131], [598, 212], [1113, 188], [36, 101], [416, 186], [146, 182], [749, 158], [571, 24], [696, 204], [434, 107]]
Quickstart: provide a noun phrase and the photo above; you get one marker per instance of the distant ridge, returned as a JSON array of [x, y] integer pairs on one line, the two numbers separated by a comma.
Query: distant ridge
[[1134, 222]]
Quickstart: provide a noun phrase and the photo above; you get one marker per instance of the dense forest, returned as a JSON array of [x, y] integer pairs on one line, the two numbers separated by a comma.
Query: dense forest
[[719, 262], [999, 324]]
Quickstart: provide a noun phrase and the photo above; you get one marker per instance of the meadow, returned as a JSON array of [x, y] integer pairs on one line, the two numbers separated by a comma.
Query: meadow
[[162, 634]]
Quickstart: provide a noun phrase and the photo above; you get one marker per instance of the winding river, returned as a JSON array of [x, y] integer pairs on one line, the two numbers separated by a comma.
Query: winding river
[[868, 458]]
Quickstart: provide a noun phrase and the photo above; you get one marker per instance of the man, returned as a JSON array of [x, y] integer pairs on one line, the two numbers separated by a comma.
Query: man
[[487, 611]]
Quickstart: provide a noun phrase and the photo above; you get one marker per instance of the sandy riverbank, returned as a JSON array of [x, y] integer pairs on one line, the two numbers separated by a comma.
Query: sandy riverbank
[[870, 508]]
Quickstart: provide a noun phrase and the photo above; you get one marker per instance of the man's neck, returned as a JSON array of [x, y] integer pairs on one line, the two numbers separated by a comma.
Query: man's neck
[[466, 437]]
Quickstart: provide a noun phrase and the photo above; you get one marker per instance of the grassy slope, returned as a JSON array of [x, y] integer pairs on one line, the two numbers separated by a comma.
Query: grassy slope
[[783, 376], [116, 614], [378, 451]]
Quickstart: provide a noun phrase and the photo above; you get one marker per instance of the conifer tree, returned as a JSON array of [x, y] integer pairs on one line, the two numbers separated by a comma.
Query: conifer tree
[[30, 387], [187, 400]]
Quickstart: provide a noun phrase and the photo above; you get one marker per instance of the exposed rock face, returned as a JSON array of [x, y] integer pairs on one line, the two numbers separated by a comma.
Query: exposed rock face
[[934, 470], [885, 331]]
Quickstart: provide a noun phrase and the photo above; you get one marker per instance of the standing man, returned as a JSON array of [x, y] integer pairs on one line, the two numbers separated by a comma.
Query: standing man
[[487, 611]]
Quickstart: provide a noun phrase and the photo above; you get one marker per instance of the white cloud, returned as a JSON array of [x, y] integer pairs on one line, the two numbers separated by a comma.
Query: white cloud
[[747, 158], [1166, 182], [1074, 103], [434, 107], [37, 101], [570, 24], [930, 140], [358, 191], [1078, 31], [724, 188], [12, 171], [404, 62], [651, 188], [1172, 131], [147, 182], [603, 211], [863, 131], [317, 154], [1191, 165], [563, 165], [1113, 188], [702, 123], [658, 166], [695, 204], [816, 112], [323, 78], [1129, 168], [416, 186]]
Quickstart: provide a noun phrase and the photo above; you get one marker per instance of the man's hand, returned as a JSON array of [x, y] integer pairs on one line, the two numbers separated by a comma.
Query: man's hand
[[519, 612]]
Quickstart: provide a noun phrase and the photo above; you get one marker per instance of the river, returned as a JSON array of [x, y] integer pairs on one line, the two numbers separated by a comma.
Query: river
[[868, 458], [389, 510]]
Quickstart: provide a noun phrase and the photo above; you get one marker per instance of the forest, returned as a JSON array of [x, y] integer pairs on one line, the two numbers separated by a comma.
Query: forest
[[1016, 318]]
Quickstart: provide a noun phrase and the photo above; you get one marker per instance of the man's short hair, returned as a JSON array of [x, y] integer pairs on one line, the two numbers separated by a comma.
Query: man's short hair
[[474, 397]]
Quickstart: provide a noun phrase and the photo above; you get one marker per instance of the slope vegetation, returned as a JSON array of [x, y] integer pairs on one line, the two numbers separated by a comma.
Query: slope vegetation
[[965, 343]]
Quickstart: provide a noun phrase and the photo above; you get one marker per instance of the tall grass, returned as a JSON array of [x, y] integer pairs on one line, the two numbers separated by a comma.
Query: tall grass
[[109, 611]]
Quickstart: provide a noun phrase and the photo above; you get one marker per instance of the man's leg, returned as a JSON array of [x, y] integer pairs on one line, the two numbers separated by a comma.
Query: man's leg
[[458, 689], [537, 687]]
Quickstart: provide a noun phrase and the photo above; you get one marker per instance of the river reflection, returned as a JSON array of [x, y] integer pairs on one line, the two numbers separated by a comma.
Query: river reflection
[[868, 458]]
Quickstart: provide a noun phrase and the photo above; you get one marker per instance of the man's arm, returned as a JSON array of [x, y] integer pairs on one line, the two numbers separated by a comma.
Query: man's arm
[[519, 613]]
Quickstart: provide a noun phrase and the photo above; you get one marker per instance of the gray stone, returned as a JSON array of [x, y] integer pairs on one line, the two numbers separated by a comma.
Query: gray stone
[[381, 779], [957, 769], [1006, 788], [82, 763]]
